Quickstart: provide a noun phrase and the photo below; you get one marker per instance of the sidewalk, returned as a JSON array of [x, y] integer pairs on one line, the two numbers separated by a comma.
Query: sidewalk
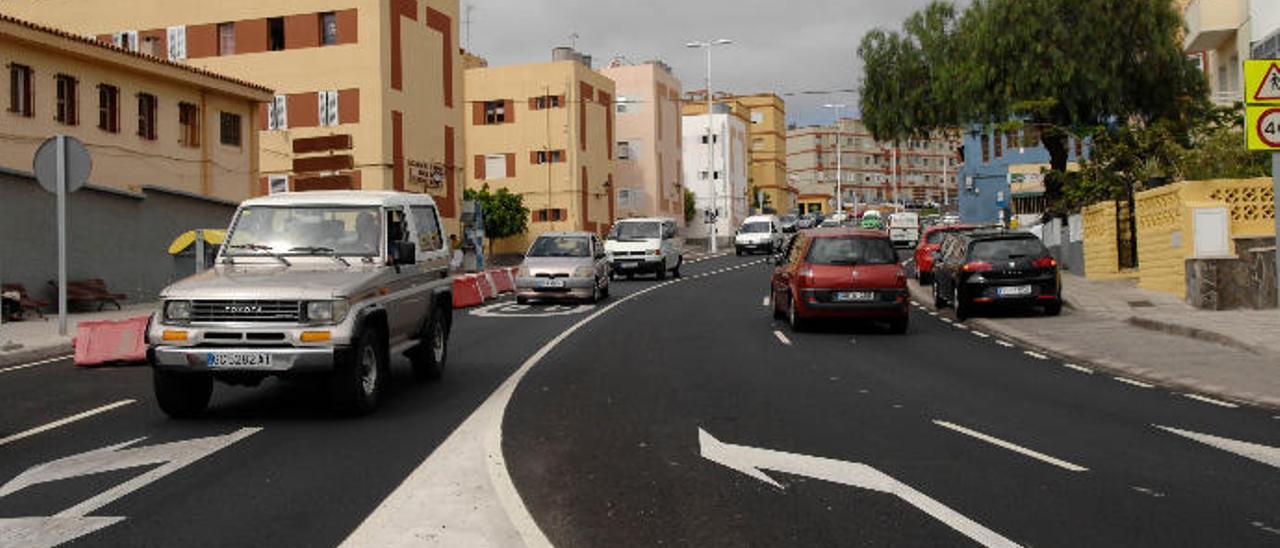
[[35, 339], [1118, 327]]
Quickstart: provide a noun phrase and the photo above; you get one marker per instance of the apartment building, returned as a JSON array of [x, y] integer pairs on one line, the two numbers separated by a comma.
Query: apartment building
[[768, 186], [1221, 34], [368, 92], [925, 168], [1003, 173], [545, 131], [147, 122], [649, 165], [716, 166]]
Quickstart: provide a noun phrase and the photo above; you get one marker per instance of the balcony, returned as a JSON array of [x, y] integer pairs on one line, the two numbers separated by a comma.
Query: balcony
[[1212, 22]]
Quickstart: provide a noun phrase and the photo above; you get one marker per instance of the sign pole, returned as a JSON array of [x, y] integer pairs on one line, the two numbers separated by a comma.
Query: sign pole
[[1275, 186], [62, 235]]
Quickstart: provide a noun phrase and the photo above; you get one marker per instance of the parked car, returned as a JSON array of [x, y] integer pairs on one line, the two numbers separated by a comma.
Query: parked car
[[904, 229], [929, 244], [644, 246], [872, 220], [564, 265], [840, 273], [809, 220], [995, 268], [789, 223], [302, 288], [759, 234]]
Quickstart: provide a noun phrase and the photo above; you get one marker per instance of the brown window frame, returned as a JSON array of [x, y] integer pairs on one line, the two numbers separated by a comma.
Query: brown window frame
[[109, 108], [226, 120], [148, 109], [189, 125], [67, 105], [21, 90], [495, 112], [276, 40], [547, 102]]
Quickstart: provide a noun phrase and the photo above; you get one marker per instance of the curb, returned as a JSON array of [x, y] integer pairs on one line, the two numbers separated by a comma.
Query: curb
[[1194, 333], [28, 355]]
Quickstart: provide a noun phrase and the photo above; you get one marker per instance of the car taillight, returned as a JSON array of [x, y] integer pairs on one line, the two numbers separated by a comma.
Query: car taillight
[[806, 276], [977, 267], [1045, 262]]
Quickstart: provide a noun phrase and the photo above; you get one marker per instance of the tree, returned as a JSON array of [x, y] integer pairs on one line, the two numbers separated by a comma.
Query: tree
[[690, 205], [504, 213]]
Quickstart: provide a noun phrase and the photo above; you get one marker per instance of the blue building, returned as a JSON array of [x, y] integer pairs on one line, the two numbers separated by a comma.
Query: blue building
[[993, 160]]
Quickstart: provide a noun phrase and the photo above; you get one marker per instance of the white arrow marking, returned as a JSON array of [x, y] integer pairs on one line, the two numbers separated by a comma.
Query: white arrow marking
[[74, 522], [1255, 451], [781, 337], [751, 460]]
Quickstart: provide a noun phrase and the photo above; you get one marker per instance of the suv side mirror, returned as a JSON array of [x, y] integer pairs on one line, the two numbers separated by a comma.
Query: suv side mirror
[[403, 253]]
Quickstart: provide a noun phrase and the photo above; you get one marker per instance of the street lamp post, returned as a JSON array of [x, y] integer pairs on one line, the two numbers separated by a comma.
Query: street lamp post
[[839, 161], [711, 147]]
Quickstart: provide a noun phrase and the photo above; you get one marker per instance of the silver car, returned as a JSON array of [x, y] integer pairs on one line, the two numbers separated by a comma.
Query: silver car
[[564, 265]]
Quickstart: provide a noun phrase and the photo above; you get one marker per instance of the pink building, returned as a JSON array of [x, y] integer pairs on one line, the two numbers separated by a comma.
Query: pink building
[[649, 167]]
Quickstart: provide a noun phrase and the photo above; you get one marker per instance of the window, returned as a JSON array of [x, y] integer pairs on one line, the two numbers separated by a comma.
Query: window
[[628, 150], [548, 215], [986, 148], [126, 40], [548, 156], [68, 96], [277, 184], [625, 105], [189, 125], [109, 108], [429, 238], [151, 46], [757, 143], [1079, 148], [328, 28], [495, 166], [278, 113], [328, 104], [999, 142], [227, 39], [714, 139], [495, 112], [20, 90], [757, 117], [229, 131], [546, 101], [147, 116], [275, 33], [177, 43]]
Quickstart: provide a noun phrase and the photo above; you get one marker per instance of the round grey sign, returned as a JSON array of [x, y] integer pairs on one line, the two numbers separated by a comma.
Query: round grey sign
[[79, 164]]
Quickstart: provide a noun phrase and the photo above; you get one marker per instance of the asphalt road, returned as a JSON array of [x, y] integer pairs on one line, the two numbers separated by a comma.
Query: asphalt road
[[602, 439]]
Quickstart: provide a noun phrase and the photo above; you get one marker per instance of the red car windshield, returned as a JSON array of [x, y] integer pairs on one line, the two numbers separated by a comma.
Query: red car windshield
[[850, 250]]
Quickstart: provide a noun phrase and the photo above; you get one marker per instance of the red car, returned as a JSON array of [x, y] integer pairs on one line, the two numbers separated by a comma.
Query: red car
[[929, 244], [832, 273]]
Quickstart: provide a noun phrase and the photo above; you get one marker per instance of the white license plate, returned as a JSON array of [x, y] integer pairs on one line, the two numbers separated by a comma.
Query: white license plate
[[247, 360], [552, 283], [624, 266], [1014, 291], [855, 296]]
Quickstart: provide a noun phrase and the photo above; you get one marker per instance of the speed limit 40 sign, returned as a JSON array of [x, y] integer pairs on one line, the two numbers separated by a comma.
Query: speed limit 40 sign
[[1262, 124]]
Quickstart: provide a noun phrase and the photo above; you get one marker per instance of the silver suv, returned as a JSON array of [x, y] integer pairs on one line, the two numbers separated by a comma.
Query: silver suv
[[328, 283]]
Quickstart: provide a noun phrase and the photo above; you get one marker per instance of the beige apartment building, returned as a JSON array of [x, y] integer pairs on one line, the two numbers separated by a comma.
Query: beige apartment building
[[649, 166], [925, 168], [147, 122], [544, 131], [368, 92]]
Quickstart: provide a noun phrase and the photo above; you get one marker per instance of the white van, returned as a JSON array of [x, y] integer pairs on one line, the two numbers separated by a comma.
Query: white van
[[904, 229], [761, 233], [644, 246]]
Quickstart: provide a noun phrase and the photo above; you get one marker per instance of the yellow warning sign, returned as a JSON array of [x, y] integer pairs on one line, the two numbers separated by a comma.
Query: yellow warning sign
[[1262, 82], [1262, 126]]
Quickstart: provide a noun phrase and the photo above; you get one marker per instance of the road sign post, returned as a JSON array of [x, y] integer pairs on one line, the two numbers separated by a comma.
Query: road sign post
[[1262, 125], [62, 166]]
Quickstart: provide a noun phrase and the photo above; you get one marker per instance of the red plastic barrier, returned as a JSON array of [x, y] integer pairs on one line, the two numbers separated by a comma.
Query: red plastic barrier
[[487, 288], [503, 280], [100, 342], [466, 291]]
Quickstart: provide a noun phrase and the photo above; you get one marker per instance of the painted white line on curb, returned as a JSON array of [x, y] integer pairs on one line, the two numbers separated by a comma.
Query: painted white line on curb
[[932, 313], [1132, 382], [1212, 401], [33, 364], [1012, 447], [1078, 368], [980, 334], [1005, 344], [765, 302], [960, 326], [1036, 355], [782, 337], [947, 321], [64, 422]]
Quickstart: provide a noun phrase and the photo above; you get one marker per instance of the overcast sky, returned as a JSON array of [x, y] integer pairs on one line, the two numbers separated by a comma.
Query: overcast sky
[[783, 46]]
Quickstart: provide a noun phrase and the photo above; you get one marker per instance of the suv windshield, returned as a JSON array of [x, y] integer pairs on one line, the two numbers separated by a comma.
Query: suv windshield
[[323, 230], [635, 231], [851, 250], [560, 246], [755, 228], [1006, 249]]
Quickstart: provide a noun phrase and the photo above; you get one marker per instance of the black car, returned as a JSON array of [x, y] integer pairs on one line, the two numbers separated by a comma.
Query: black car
[[995, 268]]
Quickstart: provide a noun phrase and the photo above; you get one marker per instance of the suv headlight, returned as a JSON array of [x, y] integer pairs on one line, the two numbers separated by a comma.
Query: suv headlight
[[525, 272], [327, 311], [584, 272], [177, 310], [655, 251]]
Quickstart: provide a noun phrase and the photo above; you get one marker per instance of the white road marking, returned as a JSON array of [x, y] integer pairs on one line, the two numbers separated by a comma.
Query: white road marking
[[65, 421], [33, 364], [1265, 454], [1005, 344], [932, 313], [1212, 401], [752, 461], [1012, 447], [980, 334], [765, 302], [1132, 382], [782, 337], [1078, 368], [947, 321], [1036, 355], [960, 326]]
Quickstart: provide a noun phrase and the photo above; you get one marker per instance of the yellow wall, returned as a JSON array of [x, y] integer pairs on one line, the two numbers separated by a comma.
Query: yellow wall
[[546, 186], [1101, 258], [124, 160], [767, 146]]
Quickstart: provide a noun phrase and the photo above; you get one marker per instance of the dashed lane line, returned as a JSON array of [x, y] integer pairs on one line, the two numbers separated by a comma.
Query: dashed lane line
[[33, 364], [765, 302], [1005, 344], [1212, 401], [1132, 382], [1036, 355], [782, 337], [1081, 369], [64, 421], [980, 334], [1012, 447]]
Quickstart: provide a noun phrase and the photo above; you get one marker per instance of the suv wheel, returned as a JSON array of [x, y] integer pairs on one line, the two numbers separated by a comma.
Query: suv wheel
[[182, 395], [355, 387], [662, 270], [957, 302], [430, 357]]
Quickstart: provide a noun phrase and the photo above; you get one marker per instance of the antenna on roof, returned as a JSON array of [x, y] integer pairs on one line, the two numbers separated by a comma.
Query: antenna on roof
[[573, 41], [466, 21]]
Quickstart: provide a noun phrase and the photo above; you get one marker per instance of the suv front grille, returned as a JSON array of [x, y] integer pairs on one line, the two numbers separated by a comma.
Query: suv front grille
[[246, 311]]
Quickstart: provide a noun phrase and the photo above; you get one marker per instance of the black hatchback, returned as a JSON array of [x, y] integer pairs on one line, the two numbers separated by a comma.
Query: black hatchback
[[996, 268]]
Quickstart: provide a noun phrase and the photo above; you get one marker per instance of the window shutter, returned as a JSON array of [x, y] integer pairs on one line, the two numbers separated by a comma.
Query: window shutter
[[479, 167], [29, 109], [509, 107], [533, 157], [322, 106], [511, 163], [477, 113], [177, 43], [281, 119]]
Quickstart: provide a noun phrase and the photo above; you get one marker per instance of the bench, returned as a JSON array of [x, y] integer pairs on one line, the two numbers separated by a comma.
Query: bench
[[25, 302], [93, 290]]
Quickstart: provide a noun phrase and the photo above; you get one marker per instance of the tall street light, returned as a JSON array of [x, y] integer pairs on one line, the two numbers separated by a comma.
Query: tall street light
[[711, 147], [839, 159]]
